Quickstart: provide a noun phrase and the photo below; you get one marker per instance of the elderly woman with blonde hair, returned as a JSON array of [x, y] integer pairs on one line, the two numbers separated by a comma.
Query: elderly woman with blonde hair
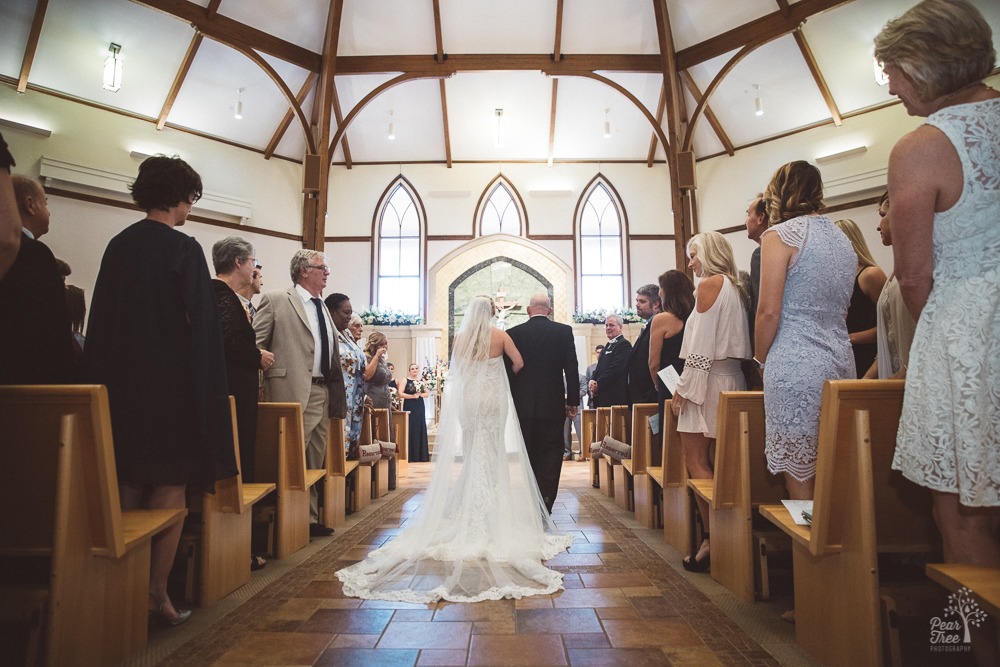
[[868, 283], [716, 338], [944, 181]]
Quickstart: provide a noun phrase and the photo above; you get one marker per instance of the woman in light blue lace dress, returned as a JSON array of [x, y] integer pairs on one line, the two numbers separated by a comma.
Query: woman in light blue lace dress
[[944, 180], [807, 268]]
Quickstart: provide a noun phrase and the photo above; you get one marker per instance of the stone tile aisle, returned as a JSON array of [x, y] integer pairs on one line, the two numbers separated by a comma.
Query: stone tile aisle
[[622, 605]]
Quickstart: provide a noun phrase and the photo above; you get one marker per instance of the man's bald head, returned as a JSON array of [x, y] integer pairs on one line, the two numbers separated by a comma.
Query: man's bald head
[[539, 304], [31, 204]]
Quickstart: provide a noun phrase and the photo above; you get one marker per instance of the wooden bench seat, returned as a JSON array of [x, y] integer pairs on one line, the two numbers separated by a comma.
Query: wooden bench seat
[[341, 476], [983, 582], [602, 426], [671, 477], [384, 472], [619, 427], [588, 435], [72, 559], [401, 426], [281, 459], [634, 469], [861, 508]]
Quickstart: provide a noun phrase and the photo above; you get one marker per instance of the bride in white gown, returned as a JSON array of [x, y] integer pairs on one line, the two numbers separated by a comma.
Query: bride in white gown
[[482, 530]]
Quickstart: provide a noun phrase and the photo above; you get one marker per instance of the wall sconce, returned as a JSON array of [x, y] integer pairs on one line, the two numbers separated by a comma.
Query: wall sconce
[[758, 103], [23, 127], [498, 141], [113, 69], [392, 127]]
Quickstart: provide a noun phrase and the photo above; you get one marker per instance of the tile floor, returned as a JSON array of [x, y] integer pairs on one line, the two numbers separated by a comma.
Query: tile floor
[[623, 604]]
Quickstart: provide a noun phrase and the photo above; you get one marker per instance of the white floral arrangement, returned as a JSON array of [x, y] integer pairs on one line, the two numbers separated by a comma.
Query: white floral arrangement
[[388, 317], [598, 316], [433, 375]]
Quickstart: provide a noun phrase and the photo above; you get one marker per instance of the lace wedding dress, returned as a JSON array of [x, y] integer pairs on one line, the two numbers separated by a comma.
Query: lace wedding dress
[[482, 530]]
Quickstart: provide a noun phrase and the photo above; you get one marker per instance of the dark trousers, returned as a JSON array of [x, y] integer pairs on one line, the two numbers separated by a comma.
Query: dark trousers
[[543, 438]]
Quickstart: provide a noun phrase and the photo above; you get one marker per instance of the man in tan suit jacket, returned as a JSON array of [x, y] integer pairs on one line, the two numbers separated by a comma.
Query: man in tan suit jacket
[[293, 324]]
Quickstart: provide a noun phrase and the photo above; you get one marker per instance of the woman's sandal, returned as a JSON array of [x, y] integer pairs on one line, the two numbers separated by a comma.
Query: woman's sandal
[[788, 616], [692, 565], [160, 618]]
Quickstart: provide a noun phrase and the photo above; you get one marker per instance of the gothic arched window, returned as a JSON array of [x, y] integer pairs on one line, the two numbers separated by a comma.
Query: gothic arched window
[[500, 211], [602, 258], [400, 251]]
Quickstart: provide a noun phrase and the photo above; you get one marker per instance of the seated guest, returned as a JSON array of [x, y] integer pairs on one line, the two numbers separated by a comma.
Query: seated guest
[[716, 339], [353, 363], [895, 324], [154, 340], [36, 343], [868, 284]]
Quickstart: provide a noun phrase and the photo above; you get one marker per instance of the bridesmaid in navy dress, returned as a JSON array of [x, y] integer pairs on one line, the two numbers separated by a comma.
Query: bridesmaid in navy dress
[[413, 402]]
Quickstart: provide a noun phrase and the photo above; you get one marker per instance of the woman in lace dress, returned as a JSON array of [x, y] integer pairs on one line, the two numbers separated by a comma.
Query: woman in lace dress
[[807, 268], [895, 324], [862, 320], [944, 180], [716, 338], [482, 530]]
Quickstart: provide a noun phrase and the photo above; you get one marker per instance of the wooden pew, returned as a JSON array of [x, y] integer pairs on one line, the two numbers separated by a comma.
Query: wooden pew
[[281, 458], [336, 503], [363, 488], [619, 425], [861, 508], [401, 424], [383, 472], [741, 484], [672, 478], [223, 543], [74, 564], [635, 484], [982, 582], [602, 427]]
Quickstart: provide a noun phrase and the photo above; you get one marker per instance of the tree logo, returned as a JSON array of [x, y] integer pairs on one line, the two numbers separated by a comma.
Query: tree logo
[[952, 634]]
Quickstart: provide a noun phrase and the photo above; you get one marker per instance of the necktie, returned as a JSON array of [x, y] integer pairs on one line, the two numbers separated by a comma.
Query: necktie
[[324, 341], [251, 311]]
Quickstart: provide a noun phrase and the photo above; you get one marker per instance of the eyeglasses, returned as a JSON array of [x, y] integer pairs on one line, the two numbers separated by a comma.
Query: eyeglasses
[[322, 267]]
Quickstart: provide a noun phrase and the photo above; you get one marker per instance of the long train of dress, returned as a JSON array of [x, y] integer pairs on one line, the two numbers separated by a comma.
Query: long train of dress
[[482, 531]]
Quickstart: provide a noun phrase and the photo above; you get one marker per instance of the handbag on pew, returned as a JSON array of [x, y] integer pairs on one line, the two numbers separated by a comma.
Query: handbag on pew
[[595, 450], [615, 449], [369, 453], [388, 449]]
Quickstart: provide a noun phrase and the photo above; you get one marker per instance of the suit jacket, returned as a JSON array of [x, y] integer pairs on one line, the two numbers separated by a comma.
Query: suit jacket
[[35, 341], [640, 387], [754, 292], [282, 327], [549, 353], [611, 373]]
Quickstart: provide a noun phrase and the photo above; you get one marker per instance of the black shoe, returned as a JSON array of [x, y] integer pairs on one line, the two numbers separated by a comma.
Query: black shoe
[[319, 530], [692, 565], [257, 562]]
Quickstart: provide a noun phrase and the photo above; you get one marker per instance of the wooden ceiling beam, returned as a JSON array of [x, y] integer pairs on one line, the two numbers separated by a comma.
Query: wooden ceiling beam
[[557, 48], [709, 115], [338, 116], [481, 62], [182, 73], [660, 108], [228, 31], [817, 75], [316, 203], [552, 119], [32, 45], [758, 31], [272, 145], [438, 35], [444, 121]]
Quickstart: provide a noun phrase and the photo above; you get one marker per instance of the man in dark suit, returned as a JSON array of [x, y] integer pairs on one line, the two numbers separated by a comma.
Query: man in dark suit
[[756, 223], [36, 344], [609, 386], [539, 391], [640, 386]]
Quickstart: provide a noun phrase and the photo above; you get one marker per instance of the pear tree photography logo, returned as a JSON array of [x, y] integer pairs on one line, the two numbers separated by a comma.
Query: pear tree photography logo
[[950, 631]]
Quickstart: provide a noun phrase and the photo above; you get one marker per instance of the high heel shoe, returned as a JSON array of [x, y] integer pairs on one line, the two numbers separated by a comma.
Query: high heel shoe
[[160, 618]]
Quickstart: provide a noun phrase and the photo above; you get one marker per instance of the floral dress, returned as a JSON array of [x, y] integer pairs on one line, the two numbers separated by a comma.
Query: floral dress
[[353, 362]]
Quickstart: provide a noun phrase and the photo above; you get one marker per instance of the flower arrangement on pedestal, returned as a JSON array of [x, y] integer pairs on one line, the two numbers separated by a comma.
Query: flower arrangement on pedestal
[[433, 375], [387, 317], [395, 400], [598, 316]]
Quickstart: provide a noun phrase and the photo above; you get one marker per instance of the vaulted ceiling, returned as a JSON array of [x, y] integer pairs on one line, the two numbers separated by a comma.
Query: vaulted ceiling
[[439, 69]]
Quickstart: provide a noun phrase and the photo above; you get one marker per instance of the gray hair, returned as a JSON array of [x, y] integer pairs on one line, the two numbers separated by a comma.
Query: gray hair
[[651, 292], [355, 319], [300, 260], [228, 251], [616, 317]]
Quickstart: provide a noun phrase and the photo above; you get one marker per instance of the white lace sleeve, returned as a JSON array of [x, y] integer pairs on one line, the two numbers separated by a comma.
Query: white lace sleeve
[[792, 232]]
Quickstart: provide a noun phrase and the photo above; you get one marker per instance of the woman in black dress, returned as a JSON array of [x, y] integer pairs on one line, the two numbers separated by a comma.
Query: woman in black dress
[[861, 315], [413, 395], [666, 331]]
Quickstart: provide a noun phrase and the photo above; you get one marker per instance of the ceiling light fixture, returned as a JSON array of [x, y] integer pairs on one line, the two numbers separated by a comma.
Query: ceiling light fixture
[[139, 155], [238, 115], [607, 125], [881, 78], [113, 69], [23, 127], [758, 103], [392, 127], [498, 140]]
